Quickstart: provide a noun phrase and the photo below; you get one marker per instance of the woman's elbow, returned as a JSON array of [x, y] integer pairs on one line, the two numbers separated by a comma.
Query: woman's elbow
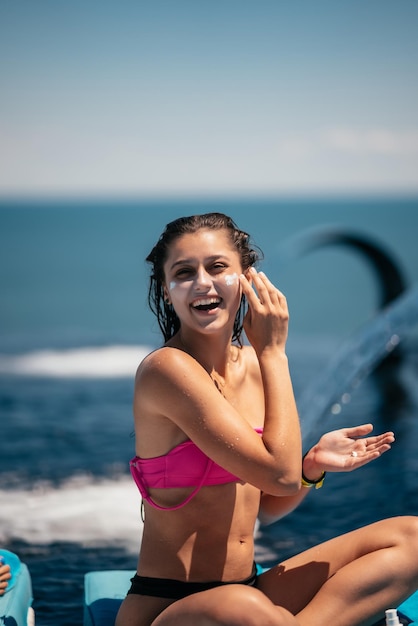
[[288, 485]]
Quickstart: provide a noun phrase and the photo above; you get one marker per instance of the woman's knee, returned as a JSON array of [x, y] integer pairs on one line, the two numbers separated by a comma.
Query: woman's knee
[[401, 537], [405, 532], [408, 539]]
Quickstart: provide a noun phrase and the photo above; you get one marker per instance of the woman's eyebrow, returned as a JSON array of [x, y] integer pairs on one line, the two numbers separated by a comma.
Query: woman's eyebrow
[[214, 257]]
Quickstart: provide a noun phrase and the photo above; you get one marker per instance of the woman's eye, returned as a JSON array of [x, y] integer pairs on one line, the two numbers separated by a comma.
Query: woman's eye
[[183, 272], [186, 272]]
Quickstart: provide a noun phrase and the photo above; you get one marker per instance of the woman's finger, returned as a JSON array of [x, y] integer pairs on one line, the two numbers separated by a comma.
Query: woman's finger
[[266, 290]]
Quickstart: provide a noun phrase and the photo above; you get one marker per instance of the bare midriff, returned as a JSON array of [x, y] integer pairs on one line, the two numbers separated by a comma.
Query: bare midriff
[[187, 544]]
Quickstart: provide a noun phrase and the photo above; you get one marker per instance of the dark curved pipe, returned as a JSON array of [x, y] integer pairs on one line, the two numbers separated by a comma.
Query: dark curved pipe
[[392, 281], [358, 357]]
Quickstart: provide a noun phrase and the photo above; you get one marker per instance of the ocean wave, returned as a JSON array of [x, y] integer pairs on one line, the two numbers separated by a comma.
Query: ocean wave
[[116, 361], [82, 510]]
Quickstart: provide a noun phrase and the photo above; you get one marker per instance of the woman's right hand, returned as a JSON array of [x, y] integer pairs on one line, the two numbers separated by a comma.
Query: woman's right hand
[[267, 318]]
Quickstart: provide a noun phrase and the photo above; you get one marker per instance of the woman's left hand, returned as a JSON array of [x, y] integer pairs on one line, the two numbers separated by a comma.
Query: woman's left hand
[[346, 449]]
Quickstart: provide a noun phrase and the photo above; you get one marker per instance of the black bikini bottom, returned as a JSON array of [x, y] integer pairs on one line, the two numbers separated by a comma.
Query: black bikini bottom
[[177, 589]]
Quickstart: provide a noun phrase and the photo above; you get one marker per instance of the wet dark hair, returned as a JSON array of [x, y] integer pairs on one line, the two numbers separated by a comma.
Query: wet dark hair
[[167, 318]]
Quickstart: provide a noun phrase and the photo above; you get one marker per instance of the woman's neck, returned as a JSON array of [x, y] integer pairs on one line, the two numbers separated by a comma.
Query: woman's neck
[[214, 353]]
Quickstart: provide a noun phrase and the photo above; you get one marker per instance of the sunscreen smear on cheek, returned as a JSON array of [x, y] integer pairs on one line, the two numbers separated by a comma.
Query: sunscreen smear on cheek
[[231, 279]]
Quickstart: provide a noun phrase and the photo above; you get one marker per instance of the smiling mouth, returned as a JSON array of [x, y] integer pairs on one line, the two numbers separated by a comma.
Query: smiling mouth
[[206, 304]]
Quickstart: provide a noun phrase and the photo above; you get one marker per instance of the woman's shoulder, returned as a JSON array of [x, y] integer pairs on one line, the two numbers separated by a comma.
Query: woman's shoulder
[[165, 364], [158, 380], [164, 358]]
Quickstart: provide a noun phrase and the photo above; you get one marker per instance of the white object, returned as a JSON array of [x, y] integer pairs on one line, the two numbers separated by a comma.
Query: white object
[[30, 620], [392, 618]]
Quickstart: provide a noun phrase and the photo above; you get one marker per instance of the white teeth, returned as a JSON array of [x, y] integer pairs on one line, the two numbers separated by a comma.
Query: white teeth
[[206, 301]]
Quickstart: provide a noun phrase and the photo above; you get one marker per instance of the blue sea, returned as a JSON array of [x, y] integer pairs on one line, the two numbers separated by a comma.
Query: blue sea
[[74, 325]]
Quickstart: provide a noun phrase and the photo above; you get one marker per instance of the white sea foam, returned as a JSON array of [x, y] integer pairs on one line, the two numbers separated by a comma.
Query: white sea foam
[[83, 510], [117, 361]]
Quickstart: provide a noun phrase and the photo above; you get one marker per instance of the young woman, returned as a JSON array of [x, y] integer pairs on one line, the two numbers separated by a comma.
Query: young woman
[[218, 443]]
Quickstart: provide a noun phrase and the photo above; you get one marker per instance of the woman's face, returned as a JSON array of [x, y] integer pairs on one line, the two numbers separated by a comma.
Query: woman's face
[[202, 279]]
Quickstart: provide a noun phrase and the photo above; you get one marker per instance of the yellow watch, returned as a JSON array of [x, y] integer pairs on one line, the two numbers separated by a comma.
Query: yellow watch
[[313, 483]]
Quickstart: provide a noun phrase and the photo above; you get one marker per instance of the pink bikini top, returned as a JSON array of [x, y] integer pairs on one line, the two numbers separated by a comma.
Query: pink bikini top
[[184, 466]]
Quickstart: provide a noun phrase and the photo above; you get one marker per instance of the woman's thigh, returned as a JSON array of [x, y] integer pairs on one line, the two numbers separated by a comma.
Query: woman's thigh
[[137, 610], [229, 605], [295, 581]]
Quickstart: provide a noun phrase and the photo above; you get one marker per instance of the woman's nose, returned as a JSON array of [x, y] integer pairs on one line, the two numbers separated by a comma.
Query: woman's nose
[[203, 279]]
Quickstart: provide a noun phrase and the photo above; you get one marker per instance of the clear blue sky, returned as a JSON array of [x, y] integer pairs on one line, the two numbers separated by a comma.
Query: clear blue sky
[[192, 96]]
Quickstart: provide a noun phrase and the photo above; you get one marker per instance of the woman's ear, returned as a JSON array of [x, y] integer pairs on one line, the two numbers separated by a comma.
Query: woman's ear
[[166, 295]]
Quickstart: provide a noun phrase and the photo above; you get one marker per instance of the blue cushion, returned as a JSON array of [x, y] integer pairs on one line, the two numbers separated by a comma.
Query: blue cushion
[[103, 595]]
